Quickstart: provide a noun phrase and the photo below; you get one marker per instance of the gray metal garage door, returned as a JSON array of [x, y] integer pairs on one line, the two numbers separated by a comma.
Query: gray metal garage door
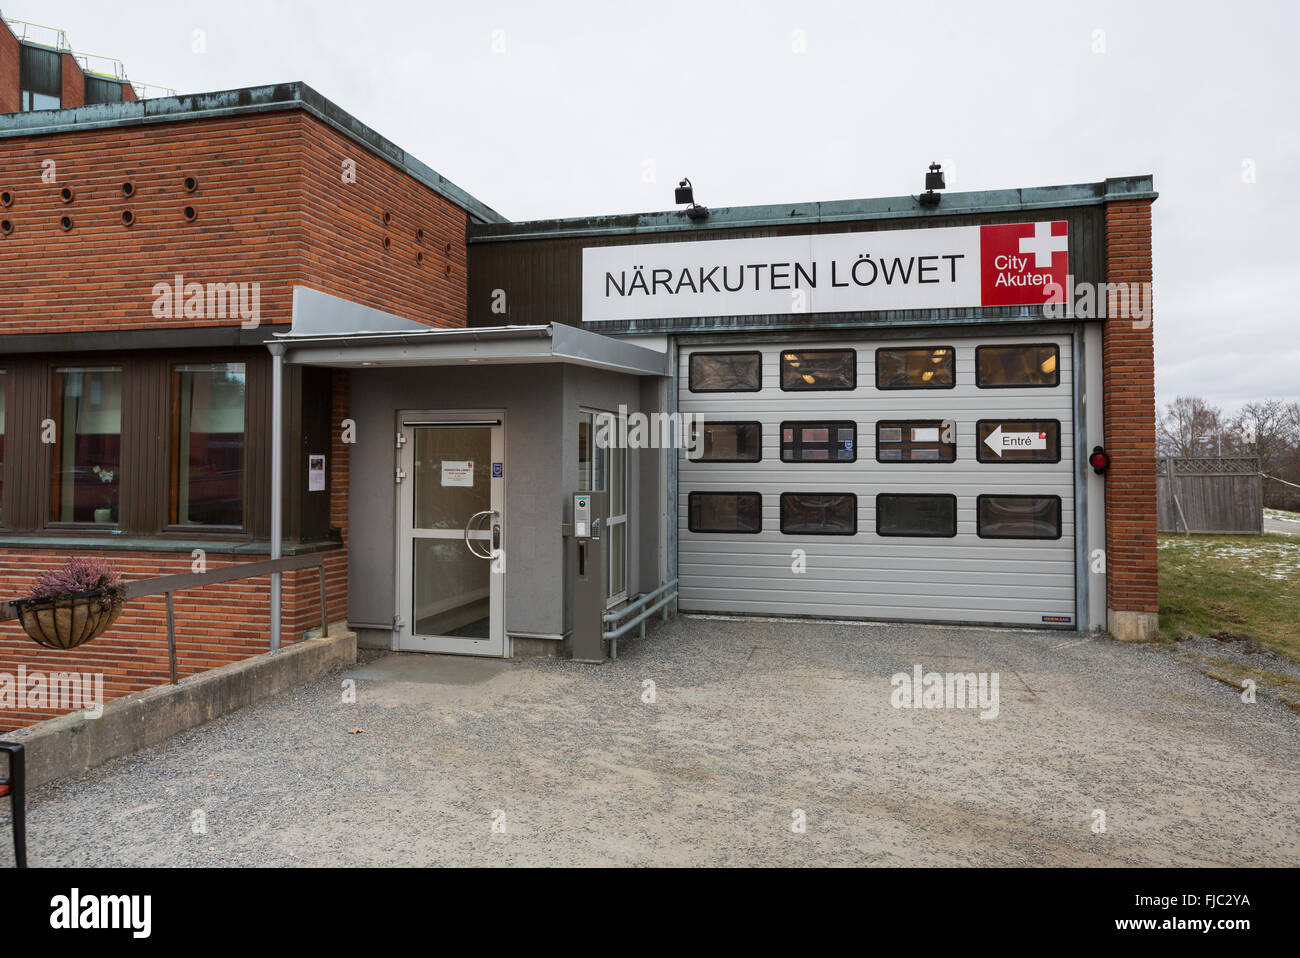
[[849, 526]]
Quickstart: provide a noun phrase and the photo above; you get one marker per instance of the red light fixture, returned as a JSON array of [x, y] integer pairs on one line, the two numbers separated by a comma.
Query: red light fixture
[[1099, 460]]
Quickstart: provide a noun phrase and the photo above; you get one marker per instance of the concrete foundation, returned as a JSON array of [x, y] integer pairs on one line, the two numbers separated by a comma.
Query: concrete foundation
[[1132, 626]]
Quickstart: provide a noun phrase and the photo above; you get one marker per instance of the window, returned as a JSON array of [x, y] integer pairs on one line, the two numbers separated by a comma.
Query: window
[[87, 460], [1033, 364], [39, 101], [915, 440], [919, 367], [831, 441], [819, 369], [726, 372], [1018, 440], [2, 446], [616, 526], [40, 77], [819, 513], [207, 476], [602, 467], [1018, 517], [725, 512], [916, 514], [728, 442]]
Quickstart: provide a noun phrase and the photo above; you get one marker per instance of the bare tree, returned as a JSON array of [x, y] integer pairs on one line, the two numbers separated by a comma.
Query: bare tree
[[1189, 424]]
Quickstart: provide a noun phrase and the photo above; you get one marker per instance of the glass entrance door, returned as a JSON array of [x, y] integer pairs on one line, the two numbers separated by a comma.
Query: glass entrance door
[[451, 534]]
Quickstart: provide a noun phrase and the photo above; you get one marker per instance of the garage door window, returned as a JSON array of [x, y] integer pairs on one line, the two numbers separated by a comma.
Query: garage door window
[[914, 514], [727, 442], [914, 440], [821, 441], [1019, 517], [920, 367], [726, 372], [819, 370], [725, 512], [819, 513], [1018, 440], [1022, 364]]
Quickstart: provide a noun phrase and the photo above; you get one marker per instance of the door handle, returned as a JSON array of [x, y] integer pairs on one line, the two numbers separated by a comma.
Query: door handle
[[469, 527], [496, 537]]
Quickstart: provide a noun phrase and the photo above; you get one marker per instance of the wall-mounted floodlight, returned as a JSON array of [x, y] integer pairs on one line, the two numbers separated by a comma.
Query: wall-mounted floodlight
[[933, 181], [685, 193]]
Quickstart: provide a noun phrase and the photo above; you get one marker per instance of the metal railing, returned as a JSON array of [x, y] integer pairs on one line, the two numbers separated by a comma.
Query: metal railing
[[23, 30], [642, 609], [165, 585]]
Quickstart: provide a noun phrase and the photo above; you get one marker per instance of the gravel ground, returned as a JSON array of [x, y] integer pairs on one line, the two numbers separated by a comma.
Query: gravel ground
[[751, 721]]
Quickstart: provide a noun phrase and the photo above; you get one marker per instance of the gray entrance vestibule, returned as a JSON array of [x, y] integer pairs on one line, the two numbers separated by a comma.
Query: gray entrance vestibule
[[466, 454]]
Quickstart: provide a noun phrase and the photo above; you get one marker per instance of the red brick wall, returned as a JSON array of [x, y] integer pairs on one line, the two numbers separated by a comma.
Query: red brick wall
[[10, 101], [344, 233], [215, 626], [128, 93], [1128, 375], [74, 83], [272, 209]]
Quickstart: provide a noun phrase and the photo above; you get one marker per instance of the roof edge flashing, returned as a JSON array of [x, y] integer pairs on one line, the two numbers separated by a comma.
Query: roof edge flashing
[[1112, 189], [294, 95]]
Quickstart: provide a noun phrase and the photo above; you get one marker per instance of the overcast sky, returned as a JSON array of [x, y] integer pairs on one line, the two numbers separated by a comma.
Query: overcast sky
[[564, 109]]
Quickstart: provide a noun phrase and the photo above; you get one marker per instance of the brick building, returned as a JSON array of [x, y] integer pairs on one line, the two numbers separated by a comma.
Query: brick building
[[919, 442]]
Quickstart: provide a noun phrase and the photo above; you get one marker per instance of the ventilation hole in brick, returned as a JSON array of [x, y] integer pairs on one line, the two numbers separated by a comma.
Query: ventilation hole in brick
[[191, 184], [127, 217], [387, 242], [66, 223], [419, 257], [448, 269], [191, 213], [6, 227], [419, 236], [6, 198], [67, 195], [448, 249], [387, 217], [128, 189]]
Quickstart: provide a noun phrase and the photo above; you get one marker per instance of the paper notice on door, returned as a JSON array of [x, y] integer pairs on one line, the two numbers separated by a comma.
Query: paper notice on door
[[315, 473], [457, 472]]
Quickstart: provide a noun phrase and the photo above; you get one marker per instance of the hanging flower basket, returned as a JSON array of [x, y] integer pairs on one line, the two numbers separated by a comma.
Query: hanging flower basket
[[70, 606]]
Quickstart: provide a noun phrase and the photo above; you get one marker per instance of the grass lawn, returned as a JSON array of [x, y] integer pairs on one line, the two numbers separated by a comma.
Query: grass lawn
[[1245, 585]]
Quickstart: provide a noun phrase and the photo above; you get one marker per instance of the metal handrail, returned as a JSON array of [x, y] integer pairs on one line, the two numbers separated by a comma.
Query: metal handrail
[[167, 584], [642, 609]]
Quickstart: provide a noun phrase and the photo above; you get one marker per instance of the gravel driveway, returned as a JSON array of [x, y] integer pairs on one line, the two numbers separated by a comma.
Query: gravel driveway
[[751, 720]]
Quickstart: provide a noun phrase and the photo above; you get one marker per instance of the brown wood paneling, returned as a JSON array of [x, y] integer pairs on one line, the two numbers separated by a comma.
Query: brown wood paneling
[[257, 465], [542, 278], [147, 442]]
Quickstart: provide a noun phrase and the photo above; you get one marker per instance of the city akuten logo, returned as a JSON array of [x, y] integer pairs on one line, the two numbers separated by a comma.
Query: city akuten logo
[[76, 911], [1022, 262]]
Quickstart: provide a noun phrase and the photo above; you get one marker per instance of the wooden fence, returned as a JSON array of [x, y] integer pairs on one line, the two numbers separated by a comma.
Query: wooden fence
[[1209, 494]]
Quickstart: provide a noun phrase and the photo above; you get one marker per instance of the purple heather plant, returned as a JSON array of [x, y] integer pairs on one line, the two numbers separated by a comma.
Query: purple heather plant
[[79, 574]]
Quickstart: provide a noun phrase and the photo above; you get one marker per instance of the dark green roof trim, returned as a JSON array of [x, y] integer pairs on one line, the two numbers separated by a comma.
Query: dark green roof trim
[[242, 102], [123, 340], [1117, 189]]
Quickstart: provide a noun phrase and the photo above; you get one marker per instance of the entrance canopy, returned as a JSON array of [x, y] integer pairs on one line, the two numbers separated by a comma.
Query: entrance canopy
[[331, 331]]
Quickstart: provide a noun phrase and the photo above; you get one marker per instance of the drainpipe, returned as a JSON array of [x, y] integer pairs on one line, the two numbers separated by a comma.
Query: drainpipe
[[277, 479]]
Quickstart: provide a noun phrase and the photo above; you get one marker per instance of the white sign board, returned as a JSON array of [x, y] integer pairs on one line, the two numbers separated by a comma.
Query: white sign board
[[457, 472], [943, 268], [1000, 441]]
